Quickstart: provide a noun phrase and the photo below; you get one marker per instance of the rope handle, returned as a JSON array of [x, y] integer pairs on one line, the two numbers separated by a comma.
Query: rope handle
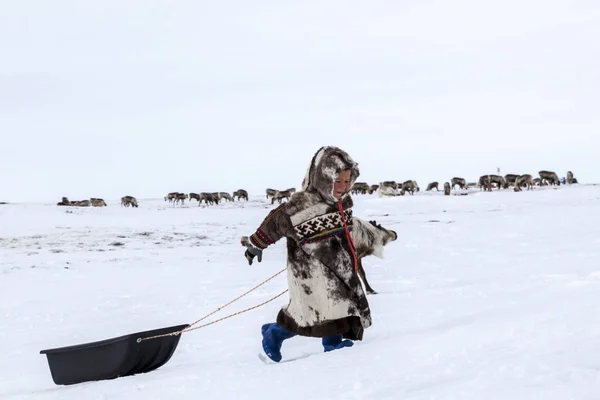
[[189, 328]]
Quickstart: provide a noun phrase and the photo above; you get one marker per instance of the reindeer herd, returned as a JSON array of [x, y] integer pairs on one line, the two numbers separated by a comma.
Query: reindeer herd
[[126, 201], [385, 188], [486, 182], [206, 197], [216, 197]]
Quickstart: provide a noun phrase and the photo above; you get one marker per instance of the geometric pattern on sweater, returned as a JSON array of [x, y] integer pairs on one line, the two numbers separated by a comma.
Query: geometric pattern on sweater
[[322, 226]]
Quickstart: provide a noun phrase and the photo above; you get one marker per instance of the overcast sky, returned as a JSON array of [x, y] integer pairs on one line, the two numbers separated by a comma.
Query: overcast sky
[[108, 98]]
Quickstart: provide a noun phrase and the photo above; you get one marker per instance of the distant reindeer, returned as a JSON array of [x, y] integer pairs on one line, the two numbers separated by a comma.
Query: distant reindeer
[[359, 187], [373, 189], [180, 198], [447, 189], [485, 183], [431, 186], [550, 177], [390, 184], [570, 178], [174, 196], [458, 181], [523, 180], [127, 201], [216, 197], [208, 198], [225, 195], [410, 187], [270, 192], [510, 180], [498, 180], [388, 188], [97, 202], [283, 194], [240, 194]]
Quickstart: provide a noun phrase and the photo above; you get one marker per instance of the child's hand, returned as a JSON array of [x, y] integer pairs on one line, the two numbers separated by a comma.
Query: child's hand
[[252, 252]]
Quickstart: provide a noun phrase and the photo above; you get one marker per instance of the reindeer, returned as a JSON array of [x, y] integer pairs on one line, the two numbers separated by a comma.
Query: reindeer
[[270, 192], [549, 177], [391, 184], [194, 196], [65, 202], [127, 201], [81, 203], [97, 202], [388, 188], [447, 189], [431, 186], [485, 183], [225, 195], [458, 181], [180, 198], [364, 234], [373, 189], [523, 180], [208, 198], [359, 187], [570, 178], [498, 180], [172, 197], [283, 194], [216, 197], [240, 194], [410, 187], [510, 180]]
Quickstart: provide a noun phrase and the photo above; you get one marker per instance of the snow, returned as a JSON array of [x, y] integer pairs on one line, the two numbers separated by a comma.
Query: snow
[[483, 296]]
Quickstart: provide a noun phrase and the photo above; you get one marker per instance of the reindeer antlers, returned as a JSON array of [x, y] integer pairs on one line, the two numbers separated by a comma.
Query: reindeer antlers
[[375, 224]]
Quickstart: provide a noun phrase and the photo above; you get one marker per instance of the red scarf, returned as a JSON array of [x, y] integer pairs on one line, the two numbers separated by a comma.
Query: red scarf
[[350, 241]]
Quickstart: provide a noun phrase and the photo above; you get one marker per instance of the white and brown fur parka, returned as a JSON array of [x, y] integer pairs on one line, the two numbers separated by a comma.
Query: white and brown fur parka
[[326, 296]]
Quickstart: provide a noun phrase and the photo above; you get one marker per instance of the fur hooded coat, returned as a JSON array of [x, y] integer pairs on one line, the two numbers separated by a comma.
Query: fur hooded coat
[[326, 295]]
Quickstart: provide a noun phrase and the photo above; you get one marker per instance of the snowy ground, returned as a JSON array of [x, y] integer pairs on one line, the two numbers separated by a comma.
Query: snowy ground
[[485, 296]]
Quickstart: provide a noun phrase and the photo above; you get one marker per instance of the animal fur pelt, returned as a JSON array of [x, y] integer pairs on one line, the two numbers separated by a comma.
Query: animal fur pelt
[[326, 296]]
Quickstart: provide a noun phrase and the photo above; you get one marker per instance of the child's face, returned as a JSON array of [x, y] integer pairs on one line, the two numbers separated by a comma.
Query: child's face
[[341, 184]]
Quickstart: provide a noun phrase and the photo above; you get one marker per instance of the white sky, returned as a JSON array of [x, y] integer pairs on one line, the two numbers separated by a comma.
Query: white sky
[[103, 99]]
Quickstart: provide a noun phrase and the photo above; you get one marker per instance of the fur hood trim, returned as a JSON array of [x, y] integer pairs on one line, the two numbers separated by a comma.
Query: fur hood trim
[[326, 165]]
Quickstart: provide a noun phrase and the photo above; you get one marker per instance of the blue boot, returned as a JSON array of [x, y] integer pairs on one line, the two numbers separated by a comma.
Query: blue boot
[[335, 342], [273, 337]]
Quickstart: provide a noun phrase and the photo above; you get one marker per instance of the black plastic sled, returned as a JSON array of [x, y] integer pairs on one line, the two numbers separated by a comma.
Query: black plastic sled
[[112, 358]]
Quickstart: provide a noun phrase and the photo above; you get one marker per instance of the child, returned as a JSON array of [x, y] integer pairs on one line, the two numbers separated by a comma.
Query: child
[[326, 297]]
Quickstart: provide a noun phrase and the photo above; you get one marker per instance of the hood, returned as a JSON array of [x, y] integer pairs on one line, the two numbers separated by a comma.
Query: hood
[[324, 169]]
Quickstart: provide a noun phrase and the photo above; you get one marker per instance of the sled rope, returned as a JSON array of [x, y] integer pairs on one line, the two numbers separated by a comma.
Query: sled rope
[[222, 307], [237, 313]]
